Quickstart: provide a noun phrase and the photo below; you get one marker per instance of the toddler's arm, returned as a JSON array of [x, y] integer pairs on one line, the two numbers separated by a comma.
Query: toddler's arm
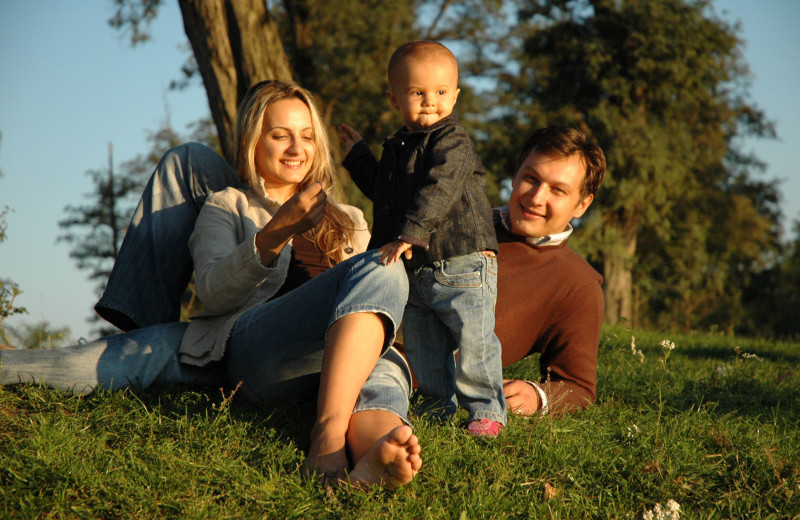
[[348, 136]]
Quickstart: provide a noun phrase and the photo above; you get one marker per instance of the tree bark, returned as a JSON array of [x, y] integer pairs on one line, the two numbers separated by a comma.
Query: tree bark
[[618, 275], [236, 44]]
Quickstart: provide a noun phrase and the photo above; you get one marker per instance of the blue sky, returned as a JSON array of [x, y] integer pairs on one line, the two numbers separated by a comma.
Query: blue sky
[[69, 84]]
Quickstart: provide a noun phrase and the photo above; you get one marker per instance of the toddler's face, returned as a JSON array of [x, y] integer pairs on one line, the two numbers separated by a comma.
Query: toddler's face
[[424, 91]]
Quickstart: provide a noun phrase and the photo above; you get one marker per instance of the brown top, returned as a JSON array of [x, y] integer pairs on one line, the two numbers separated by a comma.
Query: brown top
[[550, 301], [307, 261]]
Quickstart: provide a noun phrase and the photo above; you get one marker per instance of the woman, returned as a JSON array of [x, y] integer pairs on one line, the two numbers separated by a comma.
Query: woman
[[263, 326]]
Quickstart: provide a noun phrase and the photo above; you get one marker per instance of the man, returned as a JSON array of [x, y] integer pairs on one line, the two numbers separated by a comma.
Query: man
[[549, 299]]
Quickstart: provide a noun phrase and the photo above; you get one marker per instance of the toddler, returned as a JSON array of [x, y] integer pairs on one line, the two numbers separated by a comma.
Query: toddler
[[430, 206]]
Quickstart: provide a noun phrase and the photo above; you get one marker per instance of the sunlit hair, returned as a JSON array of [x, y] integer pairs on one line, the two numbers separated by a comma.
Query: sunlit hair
[[422, 50], [336, 230], [562, 142]]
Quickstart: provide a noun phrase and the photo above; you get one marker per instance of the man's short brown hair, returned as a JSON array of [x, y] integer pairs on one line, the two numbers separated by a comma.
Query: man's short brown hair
[[563, 142]]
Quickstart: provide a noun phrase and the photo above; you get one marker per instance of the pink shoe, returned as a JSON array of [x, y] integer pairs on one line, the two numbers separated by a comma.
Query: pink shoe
[[484, 427]]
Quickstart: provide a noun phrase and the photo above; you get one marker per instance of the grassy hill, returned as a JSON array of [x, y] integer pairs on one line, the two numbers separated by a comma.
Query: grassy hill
[[713, 425]]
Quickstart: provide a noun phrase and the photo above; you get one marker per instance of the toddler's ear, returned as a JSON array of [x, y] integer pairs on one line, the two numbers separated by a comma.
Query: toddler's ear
[[392, 99]]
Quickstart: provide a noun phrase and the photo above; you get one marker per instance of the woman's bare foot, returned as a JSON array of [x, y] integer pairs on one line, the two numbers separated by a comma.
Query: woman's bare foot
[[392, 461], [327, 456]]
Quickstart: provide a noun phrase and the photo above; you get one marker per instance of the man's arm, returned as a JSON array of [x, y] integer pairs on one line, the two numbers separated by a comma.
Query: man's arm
[[568, 365], [566, 334]]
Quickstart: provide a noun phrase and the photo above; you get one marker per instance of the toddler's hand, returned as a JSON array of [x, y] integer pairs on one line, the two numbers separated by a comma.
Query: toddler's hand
[[348, 136], [391, 252]]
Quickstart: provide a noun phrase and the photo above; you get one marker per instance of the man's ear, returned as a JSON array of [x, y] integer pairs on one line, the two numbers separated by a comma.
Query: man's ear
[[392, 99], [582, 206]]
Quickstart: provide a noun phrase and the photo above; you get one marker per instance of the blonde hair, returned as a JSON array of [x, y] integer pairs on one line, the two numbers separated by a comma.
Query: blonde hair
[[336, 229]]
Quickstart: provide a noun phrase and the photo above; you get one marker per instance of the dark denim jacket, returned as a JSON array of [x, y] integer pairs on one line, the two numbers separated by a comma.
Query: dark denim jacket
[[429, 189]]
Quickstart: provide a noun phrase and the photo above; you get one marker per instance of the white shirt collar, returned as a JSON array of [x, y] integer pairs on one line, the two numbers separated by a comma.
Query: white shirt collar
[[549, 240]]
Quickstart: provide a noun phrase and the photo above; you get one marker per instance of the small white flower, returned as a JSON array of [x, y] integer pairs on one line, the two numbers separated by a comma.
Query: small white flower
[[635, 351], [671, 512], [745, 355], [667, 344], [632, 433]]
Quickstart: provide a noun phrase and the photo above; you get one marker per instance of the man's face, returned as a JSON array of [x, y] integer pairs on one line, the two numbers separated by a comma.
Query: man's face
[[546, 195], [424, 91]]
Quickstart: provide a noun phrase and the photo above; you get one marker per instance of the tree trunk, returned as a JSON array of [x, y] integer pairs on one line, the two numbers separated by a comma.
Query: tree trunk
[[618, 275], [236, 44]]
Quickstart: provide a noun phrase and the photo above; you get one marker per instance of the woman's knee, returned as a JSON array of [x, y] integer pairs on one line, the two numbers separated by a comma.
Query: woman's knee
[[369, 286], [392, 277]]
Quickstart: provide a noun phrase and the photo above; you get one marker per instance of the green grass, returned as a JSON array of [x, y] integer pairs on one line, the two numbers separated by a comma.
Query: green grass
[[712, 428]]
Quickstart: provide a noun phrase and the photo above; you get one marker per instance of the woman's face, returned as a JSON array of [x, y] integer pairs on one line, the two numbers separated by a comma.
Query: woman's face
[[285, 150]]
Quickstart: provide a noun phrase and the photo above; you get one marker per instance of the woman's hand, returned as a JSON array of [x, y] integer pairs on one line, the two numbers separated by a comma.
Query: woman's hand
[[521, 397], [298, 214], [303, 211], [348, 136]]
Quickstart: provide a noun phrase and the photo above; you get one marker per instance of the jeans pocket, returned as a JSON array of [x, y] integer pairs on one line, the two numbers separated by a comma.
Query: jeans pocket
[[491, 277], [461, 271]]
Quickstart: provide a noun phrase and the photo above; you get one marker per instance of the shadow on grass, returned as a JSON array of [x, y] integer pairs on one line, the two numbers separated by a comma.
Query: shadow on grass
[[726, 352], [742, 396], [729, 390], [287, 421]]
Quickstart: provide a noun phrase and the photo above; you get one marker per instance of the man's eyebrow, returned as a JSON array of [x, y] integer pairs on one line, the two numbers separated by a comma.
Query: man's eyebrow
[[529, 170]]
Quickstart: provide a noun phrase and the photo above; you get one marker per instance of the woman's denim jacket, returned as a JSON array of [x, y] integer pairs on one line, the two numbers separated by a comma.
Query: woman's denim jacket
[[429, 189]]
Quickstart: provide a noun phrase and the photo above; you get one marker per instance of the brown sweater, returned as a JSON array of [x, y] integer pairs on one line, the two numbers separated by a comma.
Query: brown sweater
[[550, 301]]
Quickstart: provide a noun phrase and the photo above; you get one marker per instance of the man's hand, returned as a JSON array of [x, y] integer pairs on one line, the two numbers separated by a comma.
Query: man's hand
[[391, 252], [521, 397], [348, 136]]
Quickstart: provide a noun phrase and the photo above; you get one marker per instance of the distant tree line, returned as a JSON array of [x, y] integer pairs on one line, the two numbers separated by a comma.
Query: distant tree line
[[684, 232]]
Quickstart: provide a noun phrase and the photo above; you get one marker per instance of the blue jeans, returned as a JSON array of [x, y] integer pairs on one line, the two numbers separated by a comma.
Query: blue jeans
[[137, 359], [388, 387], [144, 289], [154, 266], [275, 348], [449, 339]]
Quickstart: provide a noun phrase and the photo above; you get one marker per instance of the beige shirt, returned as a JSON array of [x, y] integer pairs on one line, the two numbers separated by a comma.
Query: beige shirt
[[230, 278]]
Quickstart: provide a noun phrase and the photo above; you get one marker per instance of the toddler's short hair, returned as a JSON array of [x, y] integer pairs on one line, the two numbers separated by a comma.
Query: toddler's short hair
[[419, 50]]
